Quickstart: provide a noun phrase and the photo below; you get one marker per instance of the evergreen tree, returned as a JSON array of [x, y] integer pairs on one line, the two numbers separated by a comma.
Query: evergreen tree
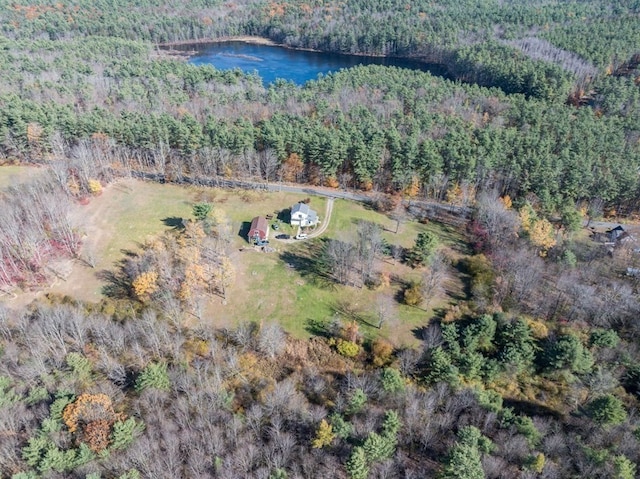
[[357, 467]]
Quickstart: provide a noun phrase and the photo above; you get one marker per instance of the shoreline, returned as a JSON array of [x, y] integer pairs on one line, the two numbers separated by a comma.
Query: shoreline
[[169, 47], [239, 38]]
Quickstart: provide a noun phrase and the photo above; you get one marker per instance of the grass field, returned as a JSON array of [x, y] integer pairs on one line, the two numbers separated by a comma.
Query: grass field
[[14, 174], [272, 287]]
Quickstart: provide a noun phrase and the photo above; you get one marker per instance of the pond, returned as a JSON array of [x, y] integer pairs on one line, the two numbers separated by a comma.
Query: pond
[[298, 66]]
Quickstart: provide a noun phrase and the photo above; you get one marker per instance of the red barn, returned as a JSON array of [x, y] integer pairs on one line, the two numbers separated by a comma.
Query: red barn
[[259, 230]]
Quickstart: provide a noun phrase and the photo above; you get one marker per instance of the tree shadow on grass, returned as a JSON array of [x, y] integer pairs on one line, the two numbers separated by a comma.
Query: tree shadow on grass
[[243, 232], [285, 215], [174, 222], [116, 286], [463, 270], [318, 327], [117, 282], [350, 312], [309, 264]]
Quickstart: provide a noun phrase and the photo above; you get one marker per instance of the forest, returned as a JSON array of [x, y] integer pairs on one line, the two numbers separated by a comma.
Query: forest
[[529, 369]]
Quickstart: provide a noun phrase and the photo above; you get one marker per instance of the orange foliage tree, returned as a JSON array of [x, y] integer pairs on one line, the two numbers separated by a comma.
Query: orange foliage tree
[[91, 417]]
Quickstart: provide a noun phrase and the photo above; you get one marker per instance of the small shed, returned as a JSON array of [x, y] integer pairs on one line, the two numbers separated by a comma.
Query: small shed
[[259, 230], [621, 236]]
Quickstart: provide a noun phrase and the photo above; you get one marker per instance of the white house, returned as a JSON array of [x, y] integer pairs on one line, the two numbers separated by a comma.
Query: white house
[[302, 215]]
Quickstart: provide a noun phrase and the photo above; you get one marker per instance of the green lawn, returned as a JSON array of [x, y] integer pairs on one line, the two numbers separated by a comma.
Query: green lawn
[[281, 286], [346, 215], [13, 174], [134, 213]]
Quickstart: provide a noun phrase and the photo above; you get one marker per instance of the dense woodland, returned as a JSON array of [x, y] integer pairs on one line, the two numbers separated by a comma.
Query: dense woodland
[[533, 373]]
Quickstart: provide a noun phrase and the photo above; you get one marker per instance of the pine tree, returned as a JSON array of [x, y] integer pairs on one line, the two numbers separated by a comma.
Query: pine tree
[[357, 467], [153, 376]]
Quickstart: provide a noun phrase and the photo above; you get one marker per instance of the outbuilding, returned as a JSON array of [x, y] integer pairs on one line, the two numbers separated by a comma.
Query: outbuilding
[[259, 230]]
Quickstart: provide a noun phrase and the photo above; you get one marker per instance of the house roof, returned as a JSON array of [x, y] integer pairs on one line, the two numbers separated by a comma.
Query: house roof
[[304, 209], [301, 208], [259, 223]]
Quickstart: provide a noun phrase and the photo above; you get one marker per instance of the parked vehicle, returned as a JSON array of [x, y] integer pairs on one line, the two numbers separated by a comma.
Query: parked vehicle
[[301, 236], [283, 236]]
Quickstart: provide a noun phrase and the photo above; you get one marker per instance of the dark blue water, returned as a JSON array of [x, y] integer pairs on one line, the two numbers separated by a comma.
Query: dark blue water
[[298, 66]]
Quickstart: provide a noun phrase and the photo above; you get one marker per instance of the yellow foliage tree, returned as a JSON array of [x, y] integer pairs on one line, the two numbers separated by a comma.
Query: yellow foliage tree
[[34, 133], [527, 217], [217, 216], [541, 234], [366, 185], [506, 201], [324, 435], [224, 275], [192, 235], [331, 182], [454, 193], [381, 349], [414, 187], [95, 187], [194, 280], [145, 285], [537, 464]]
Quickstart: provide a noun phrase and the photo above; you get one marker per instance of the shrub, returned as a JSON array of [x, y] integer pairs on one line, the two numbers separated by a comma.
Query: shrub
[[381, 350], [413, 295], [348, 349], [95, 187]]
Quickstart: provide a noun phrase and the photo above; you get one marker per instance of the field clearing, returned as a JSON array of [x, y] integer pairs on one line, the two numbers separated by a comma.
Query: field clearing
[[276, 287], [11, 175], [269, 287]]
